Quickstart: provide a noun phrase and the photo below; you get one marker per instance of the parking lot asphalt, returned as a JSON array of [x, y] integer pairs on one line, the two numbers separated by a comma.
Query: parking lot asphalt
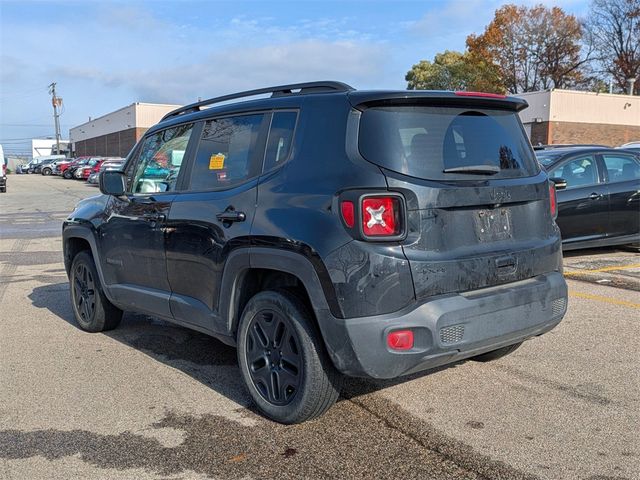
[[151, 400]]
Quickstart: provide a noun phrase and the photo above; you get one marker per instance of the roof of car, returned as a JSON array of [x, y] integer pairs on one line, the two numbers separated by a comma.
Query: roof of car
[[558, 154], [291, 95]]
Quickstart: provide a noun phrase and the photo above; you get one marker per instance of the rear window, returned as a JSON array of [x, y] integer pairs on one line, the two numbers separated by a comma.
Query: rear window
[[548, 158], [446, 143]]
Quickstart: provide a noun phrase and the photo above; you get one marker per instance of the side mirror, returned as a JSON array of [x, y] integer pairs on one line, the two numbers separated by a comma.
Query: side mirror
[[113, 183], [560, 183]]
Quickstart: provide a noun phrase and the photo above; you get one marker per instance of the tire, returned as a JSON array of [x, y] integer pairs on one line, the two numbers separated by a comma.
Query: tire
[[91, 308], [46, 171], [632, 247], [277, 327], [496, 354], [67, 174]]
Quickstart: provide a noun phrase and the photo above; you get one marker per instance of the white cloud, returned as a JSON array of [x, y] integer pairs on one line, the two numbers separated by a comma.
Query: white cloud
[[230, 70]]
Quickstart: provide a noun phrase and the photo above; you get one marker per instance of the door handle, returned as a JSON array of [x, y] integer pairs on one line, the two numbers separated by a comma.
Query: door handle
[[230, 215], [595, 196]]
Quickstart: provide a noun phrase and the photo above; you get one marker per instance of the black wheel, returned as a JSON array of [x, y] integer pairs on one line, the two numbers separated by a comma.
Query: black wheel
[[282, 359], [67, 174], [46, 171], [496, 354], [92, 309]]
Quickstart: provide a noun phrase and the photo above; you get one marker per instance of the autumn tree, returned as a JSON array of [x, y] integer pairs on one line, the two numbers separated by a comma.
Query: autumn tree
[[533, 48], [454, 71], [614, 28]]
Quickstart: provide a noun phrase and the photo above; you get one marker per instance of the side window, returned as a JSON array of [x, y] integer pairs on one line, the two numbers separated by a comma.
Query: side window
[[621, 168], [578, 172], [159, 160], [227, 152], [280, 140]]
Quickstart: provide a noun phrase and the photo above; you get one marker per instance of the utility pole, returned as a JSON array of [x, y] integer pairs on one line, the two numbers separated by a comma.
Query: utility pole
[[56, 102]]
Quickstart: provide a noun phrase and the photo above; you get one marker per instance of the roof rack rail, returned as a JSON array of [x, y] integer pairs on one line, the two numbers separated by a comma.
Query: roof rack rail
[[278, 91]]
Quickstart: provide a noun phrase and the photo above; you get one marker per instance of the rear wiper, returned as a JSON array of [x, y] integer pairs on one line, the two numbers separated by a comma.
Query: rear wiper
[[474, 169]]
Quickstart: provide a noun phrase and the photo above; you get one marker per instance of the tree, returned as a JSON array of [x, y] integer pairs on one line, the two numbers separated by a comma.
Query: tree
[[454, 71], [614, 28], [533, 48]]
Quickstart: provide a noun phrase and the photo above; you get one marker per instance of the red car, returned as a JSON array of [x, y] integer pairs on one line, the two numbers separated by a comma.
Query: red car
[[89, 169]]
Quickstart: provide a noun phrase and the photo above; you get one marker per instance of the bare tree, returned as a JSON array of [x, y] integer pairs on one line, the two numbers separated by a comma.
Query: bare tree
[[613, 26]]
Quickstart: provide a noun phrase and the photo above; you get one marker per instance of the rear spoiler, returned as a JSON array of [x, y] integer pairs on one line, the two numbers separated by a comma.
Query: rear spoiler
[[362, 100]]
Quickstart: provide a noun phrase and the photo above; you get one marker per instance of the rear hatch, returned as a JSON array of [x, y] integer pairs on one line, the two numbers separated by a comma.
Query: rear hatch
[[477, 203]]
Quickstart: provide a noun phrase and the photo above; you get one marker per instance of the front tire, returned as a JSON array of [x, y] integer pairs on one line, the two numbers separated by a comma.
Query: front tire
[[281, 354], [91, 308], [46, 171]]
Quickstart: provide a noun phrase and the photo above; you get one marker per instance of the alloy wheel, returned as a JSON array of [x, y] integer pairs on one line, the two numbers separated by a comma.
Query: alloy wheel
[[84, 292], [274, 357]]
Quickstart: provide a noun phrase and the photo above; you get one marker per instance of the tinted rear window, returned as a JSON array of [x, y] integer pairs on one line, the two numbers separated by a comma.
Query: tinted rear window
[[548, 158], [423, 142]]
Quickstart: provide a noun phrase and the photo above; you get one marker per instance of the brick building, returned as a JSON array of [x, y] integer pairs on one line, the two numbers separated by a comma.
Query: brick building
[[114, 134], [567, 116]]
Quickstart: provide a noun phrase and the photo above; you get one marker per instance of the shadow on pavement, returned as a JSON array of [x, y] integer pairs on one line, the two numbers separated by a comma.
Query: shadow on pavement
[[191, 352]]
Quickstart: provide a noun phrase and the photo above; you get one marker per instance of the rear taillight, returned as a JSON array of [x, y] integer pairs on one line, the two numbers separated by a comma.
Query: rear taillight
[[381, 216], [375, 216], [553, 201]]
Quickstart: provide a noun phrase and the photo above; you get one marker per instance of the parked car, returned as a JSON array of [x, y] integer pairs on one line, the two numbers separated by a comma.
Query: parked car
[[71, 168], [3, 172], [327, 232], [633, 146], [565, 145], [109, 164], [598, 195], [29, 166], [60, 165], [45, 167]]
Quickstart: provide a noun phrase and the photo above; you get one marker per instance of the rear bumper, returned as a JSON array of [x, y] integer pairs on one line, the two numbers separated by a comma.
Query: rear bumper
[[447, 328]]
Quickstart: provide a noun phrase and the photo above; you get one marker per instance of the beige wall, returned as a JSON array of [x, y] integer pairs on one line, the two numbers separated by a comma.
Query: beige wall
[[538, 106], [148, 114], [136, 115], [593, 108], [581, 107]]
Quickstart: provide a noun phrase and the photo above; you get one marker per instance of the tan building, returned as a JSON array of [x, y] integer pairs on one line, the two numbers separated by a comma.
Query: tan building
[[114, 134], [567, 116]]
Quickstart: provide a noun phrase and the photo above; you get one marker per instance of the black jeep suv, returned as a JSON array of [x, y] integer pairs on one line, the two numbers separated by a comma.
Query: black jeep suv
[[326, 231]]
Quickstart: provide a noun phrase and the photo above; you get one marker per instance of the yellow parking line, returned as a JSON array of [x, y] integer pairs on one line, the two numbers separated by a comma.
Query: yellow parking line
[[604, 299], [604, 269]]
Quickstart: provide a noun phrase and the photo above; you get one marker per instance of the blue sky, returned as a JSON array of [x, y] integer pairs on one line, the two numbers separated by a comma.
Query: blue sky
[[106, 54]]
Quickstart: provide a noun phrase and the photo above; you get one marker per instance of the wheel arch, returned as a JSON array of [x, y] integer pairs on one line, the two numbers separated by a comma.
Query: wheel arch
[[76, 238], [254, 269]]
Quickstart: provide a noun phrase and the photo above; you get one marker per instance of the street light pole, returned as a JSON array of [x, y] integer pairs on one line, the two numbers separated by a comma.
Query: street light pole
[[56, 102]]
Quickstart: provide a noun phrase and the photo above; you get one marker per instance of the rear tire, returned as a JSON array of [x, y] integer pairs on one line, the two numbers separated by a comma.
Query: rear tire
[[46, 171], [66, 175], [91, 308], [496, 354], [281, 354]]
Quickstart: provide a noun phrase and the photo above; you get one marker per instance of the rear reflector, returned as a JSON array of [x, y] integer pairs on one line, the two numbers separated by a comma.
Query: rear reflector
[[480, 94], [381, 216], [348, 213], [400, 340], [553, 201]]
